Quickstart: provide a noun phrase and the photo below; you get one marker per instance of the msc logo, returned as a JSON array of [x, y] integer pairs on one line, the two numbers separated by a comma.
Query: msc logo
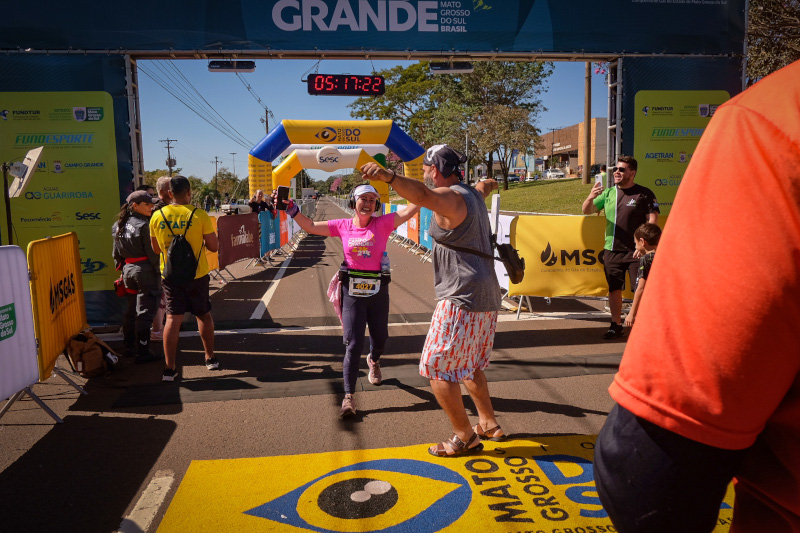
[[90, 267], [87, 216], [327, 135], [586, 257], [379, 495]]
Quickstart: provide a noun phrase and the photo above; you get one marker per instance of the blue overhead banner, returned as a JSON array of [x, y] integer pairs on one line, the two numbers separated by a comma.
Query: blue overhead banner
[[706, 27]]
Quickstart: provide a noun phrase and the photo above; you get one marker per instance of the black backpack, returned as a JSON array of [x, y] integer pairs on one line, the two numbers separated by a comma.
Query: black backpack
[[180, 266]]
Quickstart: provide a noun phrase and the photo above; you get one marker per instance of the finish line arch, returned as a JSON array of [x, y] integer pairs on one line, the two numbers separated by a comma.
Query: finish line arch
[[331, 133]]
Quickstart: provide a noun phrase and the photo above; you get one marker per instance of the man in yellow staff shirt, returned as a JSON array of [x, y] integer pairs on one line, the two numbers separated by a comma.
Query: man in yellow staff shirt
[[174, 219]]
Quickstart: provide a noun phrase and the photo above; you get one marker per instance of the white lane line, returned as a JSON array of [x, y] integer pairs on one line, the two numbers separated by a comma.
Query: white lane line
[[149, 503], [261, 308], [524, 317]]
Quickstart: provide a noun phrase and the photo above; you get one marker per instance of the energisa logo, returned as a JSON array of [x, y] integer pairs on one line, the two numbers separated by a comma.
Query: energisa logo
[[587, 257], [60, 291]]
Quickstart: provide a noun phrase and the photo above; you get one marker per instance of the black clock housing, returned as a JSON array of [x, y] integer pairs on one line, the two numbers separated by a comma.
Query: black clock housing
[[346, 84]]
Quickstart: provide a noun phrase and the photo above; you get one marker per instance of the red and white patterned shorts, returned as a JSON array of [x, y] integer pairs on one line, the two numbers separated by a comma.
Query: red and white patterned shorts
[[459, 342]]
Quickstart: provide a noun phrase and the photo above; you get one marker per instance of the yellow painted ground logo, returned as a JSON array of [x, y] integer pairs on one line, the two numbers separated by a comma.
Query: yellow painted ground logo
[[541, 486]]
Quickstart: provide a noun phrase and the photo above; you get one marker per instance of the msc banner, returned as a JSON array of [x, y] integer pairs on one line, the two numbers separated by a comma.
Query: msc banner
[[656, 26], [18, 366], [56, 285], [668, 127], [562, 256], [238, 238]]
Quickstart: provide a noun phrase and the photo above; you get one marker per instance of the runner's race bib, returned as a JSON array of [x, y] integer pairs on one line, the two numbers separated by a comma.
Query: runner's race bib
[[362, 287]]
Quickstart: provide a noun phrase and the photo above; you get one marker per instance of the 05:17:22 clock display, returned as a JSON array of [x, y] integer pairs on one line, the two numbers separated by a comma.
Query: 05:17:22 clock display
[[346, 84]]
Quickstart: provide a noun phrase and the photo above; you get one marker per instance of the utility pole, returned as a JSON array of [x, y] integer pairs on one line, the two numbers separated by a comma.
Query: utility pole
[[587, 125], [170, 161], [233, 154], [216, 170]]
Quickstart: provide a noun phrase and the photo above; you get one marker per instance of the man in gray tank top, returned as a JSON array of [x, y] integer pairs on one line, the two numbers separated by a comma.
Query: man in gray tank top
[[461, 335]]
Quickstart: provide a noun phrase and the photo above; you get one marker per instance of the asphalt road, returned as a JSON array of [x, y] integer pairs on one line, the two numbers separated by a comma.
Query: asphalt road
[[278, 393]]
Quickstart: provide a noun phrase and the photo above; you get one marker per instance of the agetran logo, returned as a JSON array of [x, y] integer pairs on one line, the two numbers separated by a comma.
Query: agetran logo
[[587, 257], [661, 157], [91, 267]]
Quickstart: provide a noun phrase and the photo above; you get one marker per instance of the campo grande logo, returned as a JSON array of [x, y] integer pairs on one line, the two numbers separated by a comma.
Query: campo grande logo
[[384, 491]]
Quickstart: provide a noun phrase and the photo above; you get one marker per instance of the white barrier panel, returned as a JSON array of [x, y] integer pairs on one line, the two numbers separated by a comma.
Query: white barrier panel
[[503, 236], [19, 367]]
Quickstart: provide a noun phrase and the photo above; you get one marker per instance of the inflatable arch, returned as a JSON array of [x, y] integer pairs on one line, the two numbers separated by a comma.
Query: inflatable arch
[[330, 135]]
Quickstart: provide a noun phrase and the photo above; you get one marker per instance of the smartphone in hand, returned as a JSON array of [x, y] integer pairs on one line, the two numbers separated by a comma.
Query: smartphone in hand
[[599, 179], [283, 194]]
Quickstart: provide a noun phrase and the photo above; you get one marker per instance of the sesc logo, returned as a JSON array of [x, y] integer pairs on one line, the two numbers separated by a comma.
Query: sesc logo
[[586, 257], [87, 216]]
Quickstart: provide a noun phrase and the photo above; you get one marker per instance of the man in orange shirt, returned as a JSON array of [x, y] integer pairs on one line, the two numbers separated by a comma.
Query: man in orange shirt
[[709, 385]]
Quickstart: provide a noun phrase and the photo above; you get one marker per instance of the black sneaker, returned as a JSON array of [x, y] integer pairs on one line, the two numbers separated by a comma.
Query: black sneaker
[[212, 364], [615, 331], [169, 374]]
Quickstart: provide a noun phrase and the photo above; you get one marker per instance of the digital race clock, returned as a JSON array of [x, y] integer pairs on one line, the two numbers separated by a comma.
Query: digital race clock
[[346, 84]]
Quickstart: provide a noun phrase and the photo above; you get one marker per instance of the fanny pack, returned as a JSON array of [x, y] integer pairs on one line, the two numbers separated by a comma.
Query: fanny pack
[[362, 283]]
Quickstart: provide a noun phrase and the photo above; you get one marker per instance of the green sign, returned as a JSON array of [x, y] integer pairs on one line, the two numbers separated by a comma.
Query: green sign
[[8, 322], [667, 127], [75, 187]]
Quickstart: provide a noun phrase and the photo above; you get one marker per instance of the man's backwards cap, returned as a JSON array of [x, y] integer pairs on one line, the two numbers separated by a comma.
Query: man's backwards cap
[[445, 159]]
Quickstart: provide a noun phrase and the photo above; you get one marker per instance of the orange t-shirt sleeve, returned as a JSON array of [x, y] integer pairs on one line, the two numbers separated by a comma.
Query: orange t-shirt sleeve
[[715, 347]]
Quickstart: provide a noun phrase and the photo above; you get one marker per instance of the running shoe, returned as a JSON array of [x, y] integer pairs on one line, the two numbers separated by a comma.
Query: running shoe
[[348, 406], [169, 374], [212, 364], [374, 376]]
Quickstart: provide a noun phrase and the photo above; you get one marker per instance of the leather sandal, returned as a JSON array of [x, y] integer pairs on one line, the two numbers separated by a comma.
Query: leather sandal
[[458, 446], [489, 434]]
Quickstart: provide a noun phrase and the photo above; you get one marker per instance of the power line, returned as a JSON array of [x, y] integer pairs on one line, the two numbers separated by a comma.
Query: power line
[[244, 143]]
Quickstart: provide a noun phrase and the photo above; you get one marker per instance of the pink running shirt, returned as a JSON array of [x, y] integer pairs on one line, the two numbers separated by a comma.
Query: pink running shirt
[[363, 247]]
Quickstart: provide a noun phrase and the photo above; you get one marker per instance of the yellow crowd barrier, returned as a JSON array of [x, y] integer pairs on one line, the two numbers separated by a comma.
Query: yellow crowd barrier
[[59, 310]]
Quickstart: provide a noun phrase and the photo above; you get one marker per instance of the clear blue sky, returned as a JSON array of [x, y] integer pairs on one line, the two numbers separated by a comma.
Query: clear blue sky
[[278, 84]]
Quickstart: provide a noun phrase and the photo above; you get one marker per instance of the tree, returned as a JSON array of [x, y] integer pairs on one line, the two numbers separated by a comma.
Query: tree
[[408, 101], [495, 89], [773, 36]]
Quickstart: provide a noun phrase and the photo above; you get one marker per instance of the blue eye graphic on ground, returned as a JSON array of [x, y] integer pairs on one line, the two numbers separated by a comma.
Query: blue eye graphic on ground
[[387, 495]]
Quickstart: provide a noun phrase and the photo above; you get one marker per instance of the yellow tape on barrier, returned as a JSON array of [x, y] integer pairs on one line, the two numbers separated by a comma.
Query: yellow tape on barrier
[[59, 310]]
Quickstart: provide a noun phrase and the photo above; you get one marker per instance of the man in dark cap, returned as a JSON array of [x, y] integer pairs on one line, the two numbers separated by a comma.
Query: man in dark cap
[[461, 335]]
